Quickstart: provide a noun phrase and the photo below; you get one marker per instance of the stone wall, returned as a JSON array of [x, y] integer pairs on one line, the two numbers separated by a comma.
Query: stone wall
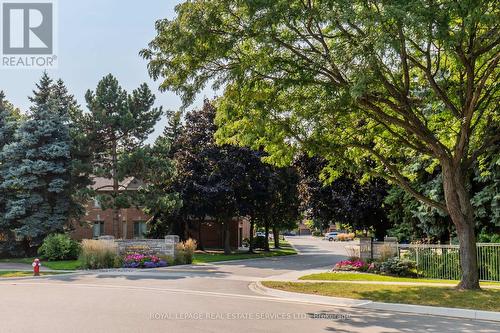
[[369, 249], [384, 250], [147, 246], [365, 248]]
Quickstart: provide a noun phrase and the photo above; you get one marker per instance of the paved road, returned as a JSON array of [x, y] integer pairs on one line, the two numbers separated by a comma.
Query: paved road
[[210, 298]]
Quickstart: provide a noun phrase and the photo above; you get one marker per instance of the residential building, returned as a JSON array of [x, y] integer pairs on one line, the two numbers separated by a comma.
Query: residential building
[[98, 222]]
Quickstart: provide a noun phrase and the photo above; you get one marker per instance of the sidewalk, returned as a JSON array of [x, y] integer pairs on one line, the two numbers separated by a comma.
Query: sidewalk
[[12, 266], [257, 287]]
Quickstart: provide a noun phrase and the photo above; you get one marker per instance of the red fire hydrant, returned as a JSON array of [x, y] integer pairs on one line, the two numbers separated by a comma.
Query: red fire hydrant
[[36, 267]]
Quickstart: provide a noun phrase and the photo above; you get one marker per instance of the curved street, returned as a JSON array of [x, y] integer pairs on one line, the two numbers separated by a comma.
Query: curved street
[[200, 298]]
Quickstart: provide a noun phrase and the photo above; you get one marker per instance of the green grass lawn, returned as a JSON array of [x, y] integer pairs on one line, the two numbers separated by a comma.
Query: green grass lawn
[[209, 256], [199, 257], [68, 265], [10, 274], [488, 299], [375, 277]]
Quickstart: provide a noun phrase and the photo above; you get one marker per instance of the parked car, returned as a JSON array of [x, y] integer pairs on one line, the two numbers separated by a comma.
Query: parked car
[[331, 236], [263, 234]]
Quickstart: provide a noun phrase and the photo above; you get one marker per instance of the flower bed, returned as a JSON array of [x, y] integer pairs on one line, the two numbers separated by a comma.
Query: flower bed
[[137, 260], [392, 267], [350, 265]]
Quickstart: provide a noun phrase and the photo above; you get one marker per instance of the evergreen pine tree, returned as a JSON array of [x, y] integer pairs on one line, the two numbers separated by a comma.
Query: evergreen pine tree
[[9, 118], [172, 132], [37, 168], [81, 148], [118, 124]]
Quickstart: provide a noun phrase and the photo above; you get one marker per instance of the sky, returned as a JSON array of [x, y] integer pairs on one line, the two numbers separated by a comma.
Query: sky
[[95, 38]]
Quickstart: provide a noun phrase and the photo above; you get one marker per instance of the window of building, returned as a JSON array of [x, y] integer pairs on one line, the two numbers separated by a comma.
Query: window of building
[[98, 229], [139, 229]]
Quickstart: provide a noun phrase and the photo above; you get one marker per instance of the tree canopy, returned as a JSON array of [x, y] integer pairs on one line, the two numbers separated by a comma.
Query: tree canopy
[[344, 200], [363, 84], [118, 124], [36, 167]]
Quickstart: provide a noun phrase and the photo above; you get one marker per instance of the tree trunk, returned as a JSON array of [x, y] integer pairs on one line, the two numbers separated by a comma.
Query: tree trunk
[[114, 173], [227, 238], [266, 228], [250, 246], [200, 234], [461, 213], [276, 236]]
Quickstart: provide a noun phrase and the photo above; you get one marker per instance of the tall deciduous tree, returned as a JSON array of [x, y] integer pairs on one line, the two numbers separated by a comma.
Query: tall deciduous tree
[[118, 123], [285, 203], [208, 175], [344, 200], [353, 81], [414, 220], [255, 195]]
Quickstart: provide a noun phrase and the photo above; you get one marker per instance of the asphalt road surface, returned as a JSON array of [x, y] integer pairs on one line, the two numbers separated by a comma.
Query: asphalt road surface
[[208, 298]]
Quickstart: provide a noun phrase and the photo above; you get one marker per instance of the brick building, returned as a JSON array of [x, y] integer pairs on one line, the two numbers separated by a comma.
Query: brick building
[[98, 222], [213, 233]]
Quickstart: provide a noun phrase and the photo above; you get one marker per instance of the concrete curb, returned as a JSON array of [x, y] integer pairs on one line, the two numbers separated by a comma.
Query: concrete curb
[[258, 288], [41, 277], [365, 304], [241, 260], [293, 247]]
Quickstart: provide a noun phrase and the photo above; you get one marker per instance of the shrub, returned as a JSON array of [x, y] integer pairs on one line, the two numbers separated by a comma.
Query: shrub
[[495, 238], [168, 259], [259, 242], [373, 267], [118, 262], [138, 260], [387, 251], [438, 263], [189, 248], [345, 237], [59, 247], [185, 252], [98, 254], [485, 237], [317, 233], [399, 267], [350, 265], [352, 252]]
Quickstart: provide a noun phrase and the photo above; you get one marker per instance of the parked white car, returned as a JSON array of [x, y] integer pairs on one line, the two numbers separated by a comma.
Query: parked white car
[[263, 234], [330, 236]]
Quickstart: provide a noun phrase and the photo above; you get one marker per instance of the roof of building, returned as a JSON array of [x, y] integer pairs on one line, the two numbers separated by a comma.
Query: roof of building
[[106, 184]]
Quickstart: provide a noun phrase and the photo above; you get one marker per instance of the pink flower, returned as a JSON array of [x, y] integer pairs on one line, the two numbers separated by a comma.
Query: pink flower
[[349, 265]]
